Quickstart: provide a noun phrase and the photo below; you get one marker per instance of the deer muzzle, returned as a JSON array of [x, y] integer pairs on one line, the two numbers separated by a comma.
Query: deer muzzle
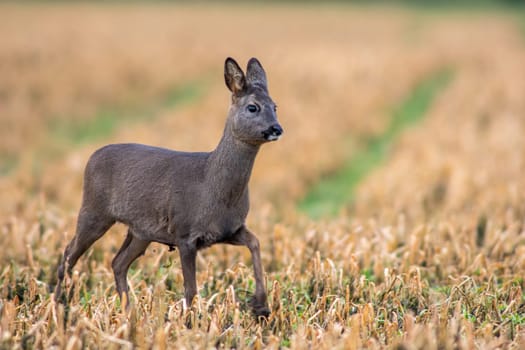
[[273, 132]]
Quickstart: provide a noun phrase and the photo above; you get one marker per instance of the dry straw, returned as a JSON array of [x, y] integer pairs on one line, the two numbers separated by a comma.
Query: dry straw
[[431, 255]]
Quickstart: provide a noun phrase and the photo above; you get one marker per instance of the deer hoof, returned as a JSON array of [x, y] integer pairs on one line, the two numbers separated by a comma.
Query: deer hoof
[[260, 309], [262, 312]]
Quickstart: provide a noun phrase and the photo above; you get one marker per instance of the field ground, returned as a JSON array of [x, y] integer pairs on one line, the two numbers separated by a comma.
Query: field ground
[[419, 244]]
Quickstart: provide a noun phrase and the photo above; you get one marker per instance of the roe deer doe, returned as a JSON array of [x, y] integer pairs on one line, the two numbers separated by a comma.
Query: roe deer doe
[[185, 200]]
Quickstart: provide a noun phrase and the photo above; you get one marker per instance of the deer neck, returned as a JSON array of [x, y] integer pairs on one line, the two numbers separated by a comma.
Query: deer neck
[[230, 166]]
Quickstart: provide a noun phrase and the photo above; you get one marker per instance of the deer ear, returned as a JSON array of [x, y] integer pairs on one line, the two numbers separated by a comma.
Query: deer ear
[[255, 73], [233, 76]]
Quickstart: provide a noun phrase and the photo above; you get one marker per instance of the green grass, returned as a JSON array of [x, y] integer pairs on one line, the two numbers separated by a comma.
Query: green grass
[[521, 23], [63, 132], [337, 189], [7, 164], [109, 119], [468, 5], [66, 132]]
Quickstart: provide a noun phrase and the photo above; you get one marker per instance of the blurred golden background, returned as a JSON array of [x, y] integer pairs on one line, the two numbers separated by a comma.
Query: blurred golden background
[[394, 203]]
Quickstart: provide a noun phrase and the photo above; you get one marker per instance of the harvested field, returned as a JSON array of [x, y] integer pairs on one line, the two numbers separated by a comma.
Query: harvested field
[[425, 250]]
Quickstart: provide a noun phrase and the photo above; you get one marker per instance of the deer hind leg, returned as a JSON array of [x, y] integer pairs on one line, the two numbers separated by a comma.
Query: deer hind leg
[[90, 227], [131, 249]]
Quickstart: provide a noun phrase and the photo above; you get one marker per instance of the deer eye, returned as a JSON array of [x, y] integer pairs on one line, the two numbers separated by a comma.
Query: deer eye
[[252, 108]]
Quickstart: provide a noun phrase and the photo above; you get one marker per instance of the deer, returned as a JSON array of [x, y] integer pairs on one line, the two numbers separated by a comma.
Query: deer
[[185, 200]]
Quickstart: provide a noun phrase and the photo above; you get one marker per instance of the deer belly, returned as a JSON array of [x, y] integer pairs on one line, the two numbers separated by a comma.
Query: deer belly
[[207, 239]]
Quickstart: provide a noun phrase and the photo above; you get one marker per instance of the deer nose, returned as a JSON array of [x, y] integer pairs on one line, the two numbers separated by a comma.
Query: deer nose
[[273, 132], [276, 130]]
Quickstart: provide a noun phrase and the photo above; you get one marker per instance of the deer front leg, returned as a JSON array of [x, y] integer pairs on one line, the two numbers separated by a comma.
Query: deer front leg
[[244, 237], [188, 254]]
